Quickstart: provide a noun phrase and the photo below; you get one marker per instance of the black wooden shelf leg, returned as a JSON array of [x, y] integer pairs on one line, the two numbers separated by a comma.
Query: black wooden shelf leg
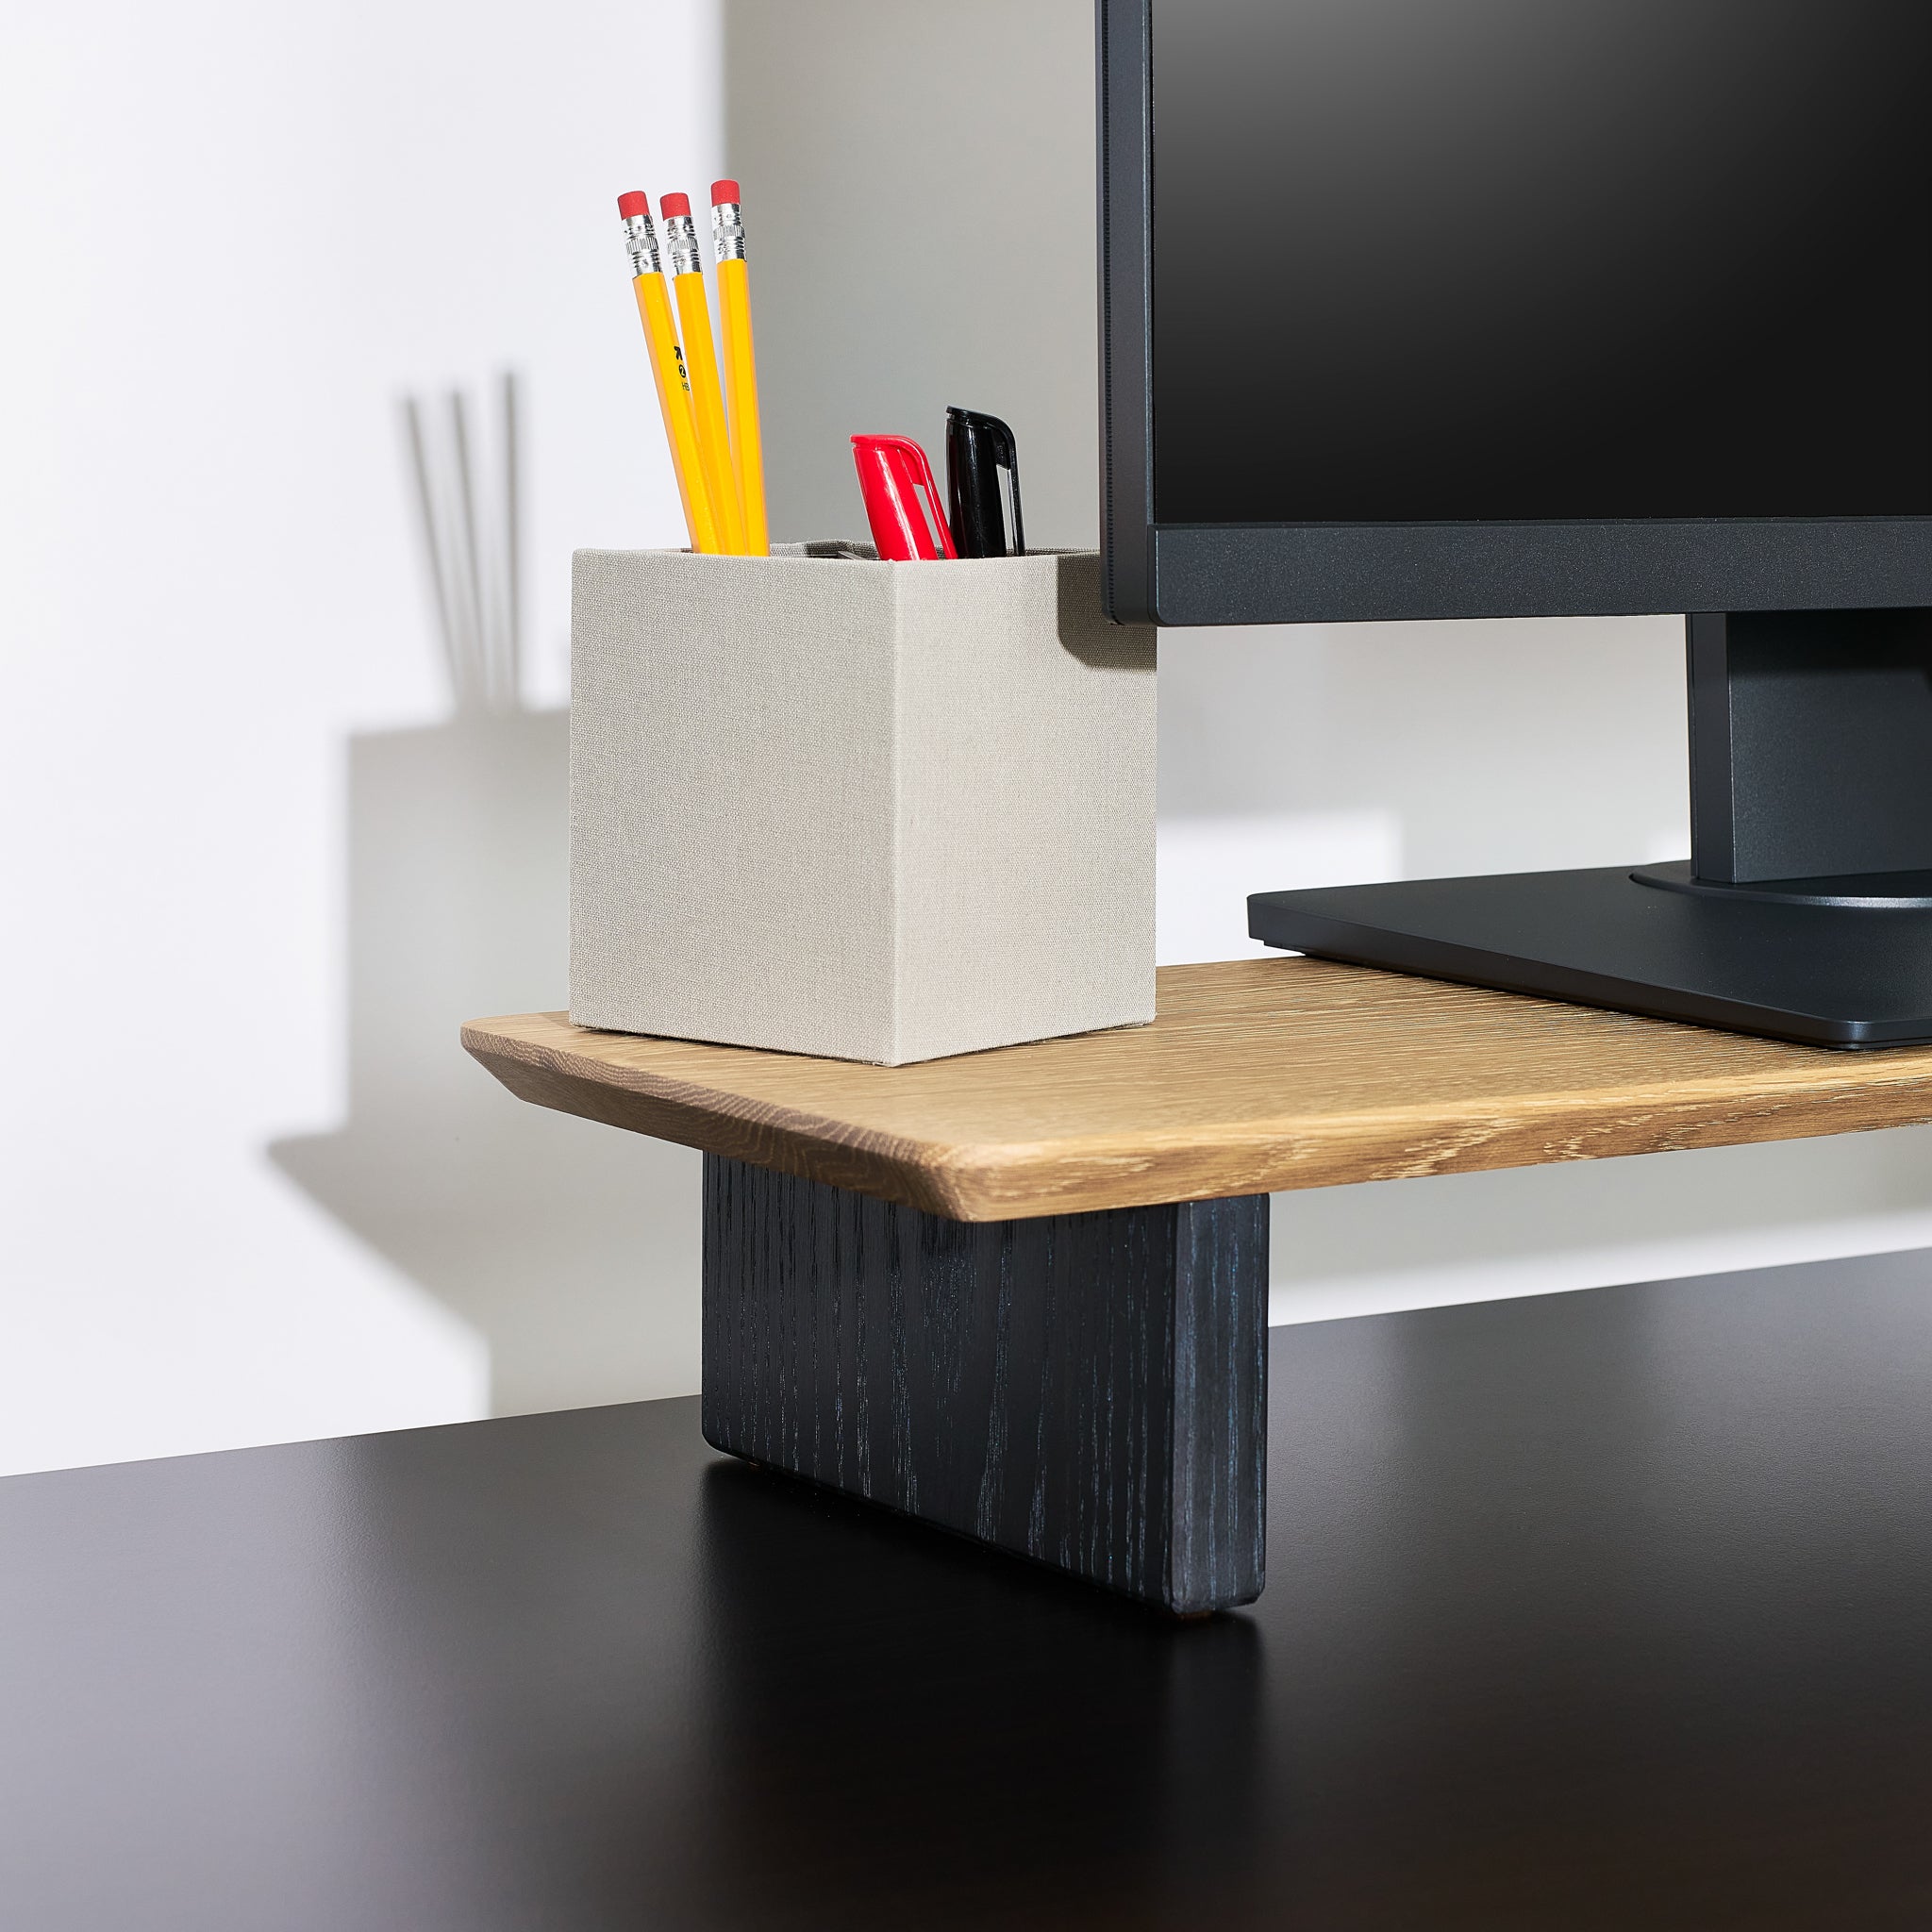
[[1086, 1389]]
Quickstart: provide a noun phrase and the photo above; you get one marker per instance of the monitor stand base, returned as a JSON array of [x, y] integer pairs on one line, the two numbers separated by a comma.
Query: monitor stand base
[[1805, 910], [1826, 975]]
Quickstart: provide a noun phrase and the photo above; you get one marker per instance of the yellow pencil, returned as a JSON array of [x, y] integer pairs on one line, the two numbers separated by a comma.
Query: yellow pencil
[[700, 365], [680, 425], [741, 364], [667, 369]]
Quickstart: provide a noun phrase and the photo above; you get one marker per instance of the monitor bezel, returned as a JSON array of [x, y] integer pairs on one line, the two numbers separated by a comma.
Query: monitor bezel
[[1222, 573]]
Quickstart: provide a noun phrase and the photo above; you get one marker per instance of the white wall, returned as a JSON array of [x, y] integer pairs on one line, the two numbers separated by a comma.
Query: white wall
[[257, 871]]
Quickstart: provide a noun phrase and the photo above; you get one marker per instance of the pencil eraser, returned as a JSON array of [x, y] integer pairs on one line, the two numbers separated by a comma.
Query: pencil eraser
[[723, 192], [675, 204], [633, 204]]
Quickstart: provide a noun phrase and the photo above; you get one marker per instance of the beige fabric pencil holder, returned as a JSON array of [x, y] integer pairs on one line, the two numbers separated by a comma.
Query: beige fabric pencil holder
[[878, 811]]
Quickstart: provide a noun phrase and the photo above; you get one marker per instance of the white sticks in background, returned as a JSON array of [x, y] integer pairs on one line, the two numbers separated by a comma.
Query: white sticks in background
[[470, 526]]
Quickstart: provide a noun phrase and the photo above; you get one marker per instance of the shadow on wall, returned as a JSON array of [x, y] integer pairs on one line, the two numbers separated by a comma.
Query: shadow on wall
[[1503, 747], [571, 1250]]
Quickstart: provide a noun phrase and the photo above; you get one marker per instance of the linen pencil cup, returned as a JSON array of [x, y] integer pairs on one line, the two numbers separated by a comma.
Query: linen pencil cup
[[875, 811]]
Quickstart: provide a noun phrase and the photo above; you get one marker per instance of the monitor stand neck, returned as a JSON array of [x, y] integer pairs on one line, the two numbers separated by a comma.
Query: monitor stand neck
[[1811, 758]]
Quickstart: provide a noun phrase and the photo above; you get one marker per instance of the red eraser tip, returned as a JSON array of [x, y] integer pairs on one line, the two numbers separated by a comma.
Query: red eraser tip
[[725, 191], [633, 204], [675, 204]]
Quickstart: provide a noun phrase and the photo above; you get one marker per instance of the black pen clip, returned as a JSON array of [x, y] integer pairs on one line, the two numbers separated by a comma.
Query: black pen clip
[[979, 448]]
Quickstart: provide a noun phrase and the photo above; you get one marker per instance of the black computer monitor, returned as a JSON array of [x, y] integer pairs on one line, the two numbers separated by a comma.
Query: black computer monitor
[[1424, 308], [1496, 308]]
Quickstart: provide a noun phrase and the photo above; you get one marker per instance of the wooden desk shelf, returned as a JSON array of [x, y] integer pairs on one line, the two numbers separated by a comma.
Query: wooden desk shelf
[[1024, 1293], [1258, 1075]]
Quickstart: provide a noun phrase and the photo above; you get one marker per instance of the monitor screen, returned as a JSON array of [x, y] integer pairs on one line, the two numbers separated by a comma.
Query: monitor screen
[[1455, 260]]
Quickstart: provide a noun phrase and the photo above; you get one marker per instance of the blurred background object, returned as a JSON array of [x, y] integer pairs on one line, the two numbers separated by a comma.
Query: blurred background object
[[474, 559]]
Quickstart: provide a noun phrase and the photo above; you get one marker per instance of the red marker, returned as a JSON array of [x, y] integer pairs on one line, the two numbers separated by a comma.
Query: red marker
[[892, 470]]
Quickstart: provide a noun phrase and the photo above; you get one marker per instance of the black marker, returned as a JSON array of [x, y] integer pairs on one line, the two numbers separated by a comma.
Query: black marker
[[979, 448]]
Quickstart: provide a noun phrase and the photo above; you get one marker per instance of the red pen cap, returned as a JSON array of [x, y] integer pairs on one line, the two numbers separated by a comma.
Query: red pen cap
[[892, 470], [633, 204], [675, 204], [723, 192]]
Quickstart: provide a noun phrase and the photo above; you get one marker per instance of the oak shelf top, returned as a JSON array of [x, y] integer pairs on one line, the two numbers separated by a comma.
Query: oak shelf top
[[1256, 1076]]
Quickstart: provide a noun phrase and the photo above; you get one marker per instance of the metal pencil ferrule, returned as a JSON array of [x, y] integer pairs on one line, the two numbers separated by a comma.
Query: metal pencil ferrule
[[641, 245], [681, 240], [727, 230]]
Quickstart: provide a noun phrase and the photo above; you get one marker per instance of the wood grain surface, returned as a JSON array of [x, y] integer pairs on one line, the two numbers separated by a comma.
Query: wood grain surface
[[1086, 1389], [1257, 1075]]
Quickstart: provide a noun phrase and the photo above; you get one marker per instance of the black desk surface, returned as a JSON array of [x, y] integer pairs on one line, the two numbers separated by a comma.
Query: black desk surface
[[1597, 1610]]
